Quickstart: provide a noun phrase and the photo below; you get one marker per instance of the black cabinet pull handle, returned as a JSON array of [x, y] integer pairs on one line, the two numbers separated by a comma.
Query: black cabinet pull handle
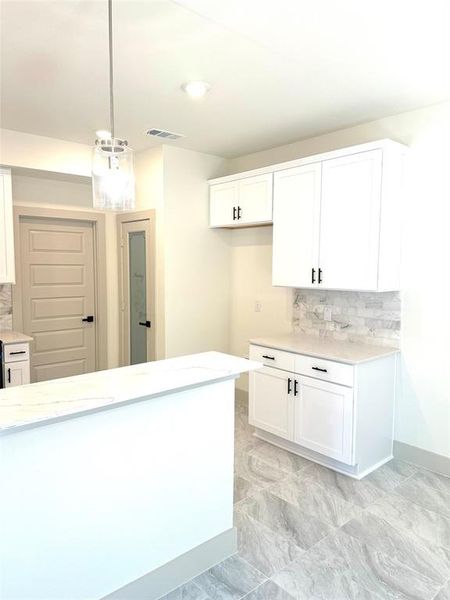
[[320, 276], [313, 275], [9, 375], [239, 212], [289, 385], [295, 388], [88, 319], [18, 352], [269, 357], [319, 369], [234, 213], [145, 323]]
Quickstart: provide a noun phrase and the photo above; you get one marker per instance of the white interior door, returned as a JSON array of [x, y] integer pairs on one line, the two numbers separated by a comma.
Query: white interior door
[[270, 404], [223, 202], [350, 221], [324, 418], [137, 307], [58, 289], [296, 214], [255, 199]]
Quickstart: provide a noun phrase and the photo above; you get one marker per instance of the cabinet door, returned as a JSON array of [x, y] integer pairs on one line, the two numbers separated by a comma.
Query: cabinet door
[[7, 274], [350, 221], [324, 418], [17, 373], [270, 404], [223, 198], [296, 213], [255, 199]]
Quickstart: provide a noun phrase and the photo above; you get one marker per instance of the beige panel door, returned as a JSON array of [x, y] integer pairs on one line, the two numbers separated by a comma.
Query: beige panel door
[[137, 314], [57, 262]]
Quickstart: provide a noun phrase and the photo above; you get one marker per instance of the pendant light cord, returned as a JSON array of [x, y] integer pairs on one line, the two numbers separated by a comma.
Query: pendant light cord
[[111, 73]]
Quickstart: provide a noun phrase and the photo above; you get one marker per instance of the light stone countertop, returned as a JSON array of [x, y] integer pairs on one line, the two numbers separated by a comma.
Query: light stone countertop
[[13, 337], [40, 403], [351, 353]]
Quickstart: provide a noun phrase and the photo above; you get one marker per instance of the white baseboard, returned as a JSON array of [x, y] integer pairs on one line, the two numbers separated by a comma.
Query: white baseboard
[[422, 458], [161, 581]]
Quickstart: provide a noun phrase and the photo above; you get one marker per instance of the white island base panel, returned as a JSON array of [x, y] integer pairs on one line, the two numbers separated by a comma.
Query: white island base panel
[[94, 502]]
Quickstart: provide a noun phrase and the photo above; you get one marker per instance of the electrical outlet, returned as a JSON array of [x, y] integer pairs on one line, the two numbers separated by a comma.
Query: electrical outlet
[[258, 306], [327, 313]]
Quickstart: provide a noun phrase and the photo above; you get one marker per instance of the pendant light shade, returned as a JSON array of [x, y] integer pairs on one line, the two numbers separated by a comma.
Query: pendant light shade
[[112, 161], [113, 175]]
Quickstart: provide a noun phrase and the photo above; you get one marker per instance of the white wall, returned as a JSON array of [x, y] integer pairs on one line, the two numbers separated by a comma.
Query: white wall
[[18, 149], [149, 173], [192, 261], [423, 407], [251, 281], [197, 284]]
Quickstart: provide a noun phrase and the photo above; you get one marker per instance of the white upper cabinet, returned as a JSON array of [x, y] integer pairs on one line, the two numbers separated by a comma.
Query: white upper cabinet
[[350, 221], [223, 200], [241, 202], [337, 220], [296, 220], [7, 274]]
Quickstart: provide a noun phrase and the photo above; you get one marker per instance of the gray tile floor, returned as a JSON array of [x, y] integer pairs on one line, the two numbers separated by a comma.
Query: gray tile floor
[[306, 532]]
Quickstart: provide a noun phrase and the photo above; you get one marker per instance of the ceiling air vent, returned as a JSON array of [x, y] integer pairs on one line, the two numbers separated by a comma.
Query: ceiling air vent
[[168, 135]]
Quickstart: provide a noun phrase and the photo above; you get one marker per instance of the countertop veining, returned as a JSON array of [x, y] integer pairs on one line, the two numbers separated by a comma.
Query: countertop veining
[[345, 352], [39, 403], [13, 337]]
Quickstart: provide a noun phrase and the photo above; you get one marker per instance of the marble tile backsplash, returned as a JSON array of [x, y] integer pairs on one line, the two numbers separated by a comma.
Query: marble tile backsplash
[[5, 306], [367, 317]]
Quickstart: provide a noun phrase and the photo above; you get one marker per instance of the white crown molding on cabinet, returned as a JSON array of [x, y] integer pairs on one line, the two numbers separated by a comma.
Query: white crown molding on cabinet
[[367, 147]]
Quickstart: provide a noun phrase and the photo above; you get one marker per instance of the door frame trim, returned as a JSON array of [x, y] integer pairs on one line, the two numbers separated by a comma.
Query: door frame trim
[[126, 217], [98, 221]]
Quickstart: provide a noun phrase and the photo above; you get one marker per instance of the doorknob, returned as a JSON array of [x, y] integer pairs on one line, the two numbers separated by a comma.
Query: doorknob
[[88, 319], [145, 323]]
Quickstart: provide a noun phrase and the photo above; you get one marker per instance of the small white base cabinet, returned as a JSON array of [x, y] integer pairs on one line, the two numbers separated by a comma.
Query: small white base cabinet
[[14, 359], [337, 414]]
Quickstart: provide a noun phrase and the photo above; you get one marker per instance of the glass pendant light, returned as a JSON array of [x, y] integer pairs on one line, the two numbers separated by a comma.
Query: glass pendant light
[[112, 163]]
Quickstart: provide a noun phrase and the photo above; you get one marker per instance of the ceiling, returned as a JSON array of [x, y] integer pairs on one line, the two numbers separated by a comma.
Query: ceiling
[[280, 70]]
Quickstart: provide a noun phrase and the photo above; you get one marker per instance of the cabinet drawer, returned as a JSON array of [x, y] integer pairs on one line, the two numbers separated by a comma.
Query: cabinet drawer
[[326, 370], [16, 352], [273, 358]]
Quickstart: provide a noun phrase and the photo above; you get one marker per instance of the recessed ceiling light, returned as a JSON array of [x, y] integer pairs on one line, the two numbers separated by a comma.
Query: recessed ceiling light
[[103, 134], [195, 89]]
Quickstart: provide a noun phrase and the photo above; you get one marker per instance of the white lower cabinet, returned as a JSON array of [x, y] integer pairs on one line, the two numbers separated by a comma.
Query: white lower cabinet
[[323, 418], [274, 409], [338, 415], [17, 373]]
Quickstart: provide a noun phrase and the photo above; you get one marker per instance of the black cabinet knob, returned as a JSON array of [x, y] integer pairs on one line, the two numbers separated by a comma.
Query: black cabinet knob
[[88, 319], [145, 323]]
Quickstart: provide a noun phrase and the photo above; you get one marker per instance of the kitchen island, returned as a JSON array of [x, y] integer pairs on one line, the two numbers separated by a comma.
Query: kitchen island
[[118, 483]]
